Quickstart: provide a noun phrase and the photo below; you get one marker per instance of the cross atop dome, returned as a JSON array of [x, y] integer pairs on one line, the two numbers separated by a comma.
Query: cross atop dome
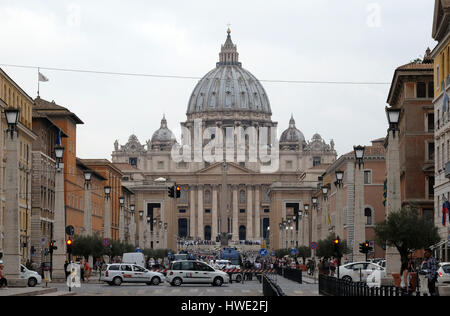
[[228, 54]]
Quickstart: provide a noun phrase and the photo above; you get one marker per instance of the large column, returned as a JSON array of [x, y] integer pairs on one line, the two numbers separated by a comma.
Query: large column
[[249, 212], [359, 224], [258, 225], [87, 210], [200, 211], [235, 229], [214, 231], [59, 233], [393, 202], [11, 244], [192, 199], [306, 241], [141, 231]]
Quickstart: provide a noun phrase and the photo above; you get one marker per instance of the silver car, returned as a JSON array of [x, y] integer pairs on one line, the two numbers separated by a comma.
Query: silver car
[[117, 273], [190, 271]]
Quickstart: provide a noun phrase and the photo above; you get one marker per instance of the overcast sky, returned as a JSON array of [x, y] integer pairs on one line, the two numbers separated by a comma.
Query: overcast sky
[[320, 40]]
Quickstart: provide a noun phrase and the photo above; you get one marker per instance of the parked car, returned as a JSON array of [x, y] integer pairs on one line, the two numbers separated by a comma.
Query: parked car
[[359, 271], [190, 271], [32, 276], [443, 273], [117, 273]]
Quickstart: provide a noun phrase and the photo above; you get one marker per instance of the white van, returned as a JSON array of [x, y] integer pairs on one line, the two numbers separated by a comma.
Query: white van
[[134, 258]]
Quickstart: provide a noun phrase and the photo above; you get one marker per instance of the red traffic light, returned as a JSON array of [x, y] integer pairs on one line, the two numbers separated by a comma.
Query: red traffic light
[[178, 188], [336, 241]]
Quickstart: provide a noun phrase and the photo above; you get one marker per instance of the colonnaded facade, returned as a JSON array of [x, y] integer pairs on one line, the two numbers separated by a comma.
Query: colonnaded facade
[[229, 194]]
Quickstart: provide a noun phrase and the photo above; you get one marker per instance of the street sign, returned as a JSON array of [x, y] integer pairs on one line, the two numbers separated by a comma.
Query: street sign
[[43, 240], [139, 250], [314, 245], [70, 230], [293, 251], [106, 242], [263, 252]]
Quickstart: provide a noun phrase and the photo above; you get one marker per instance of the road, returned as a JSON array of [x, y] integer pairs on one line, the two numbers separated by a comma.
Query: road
[[249, 288]]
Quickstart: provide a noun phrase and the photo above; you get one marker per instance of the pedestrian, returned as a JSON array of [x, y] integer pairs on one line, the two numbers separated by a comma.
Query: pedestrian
[[3, 281], [405, 276], [87, 271], [431, 267], [66, 263], [81, 269]]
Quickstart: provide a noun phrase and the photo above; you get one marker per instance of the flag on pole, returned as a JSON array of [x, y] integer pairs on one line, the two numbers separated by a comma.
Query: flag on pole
[[42, 78], [58, 138], [445, 211]]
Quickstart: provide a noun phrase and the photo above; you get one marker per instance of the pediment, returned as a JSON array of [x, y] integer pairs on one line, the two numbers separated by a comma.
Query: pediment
[[232, 168]]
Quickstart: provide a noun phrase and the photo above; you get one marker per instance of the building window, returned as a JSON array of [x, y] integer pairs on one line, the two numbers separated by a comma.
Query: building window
[[437, 77], [208, 196], [133, 161], [430, 151], [266, 210], [430, 120], [242, 210], [421, 90], [289, 164], [316, 161], [369, 216], [207, 211], [182, 210], [367, 177], [430, 90], [160, 164], [182, 165], [430, 187]]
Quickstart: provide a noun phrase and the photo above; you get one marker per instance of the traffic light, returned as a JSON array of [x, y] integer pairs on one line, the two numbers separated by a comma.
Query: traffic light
[[52, 246], [171, 191], [69, 246], [365, 247], [337, 246], [178, 189]]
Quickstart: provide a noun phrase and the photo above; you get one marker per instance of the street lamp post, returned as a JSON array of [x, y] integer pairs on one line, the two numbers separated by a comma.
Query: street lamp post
[[121, 218], [11, 244], [393, 199], [141, 229], [59, 254], [107, 217], [339, 212], [306, 225], [314, 202], [358, 222], [87, 204], [324, 209]]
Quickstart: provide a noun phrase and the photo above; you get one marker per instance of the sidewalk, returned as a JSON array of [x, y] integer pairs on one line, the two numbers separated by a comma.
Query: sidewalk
[[26, 291]]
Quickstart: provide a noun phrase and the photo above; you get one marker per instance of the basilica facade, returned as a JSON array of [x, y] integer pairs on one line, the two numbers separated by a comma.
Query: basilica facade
[[238, 179]]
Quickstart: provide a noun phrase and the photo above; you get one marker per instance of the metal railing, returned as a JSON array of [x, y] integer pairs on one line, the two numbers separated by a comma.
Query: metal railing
[[270, 287], [290, 274], [331, 286]]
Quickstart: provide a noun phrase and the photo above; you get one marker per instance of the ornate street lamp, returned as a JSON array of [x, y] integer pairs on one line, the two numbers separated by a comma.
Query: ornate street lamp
[[149, 219], [314, 201], [107, 191], [359, 154], [339, 177], [393, 116], [121, 200], [87, 177], [141, 214], [59, 153], [306, 209], [132, 207], [12, 118], [324, 191]]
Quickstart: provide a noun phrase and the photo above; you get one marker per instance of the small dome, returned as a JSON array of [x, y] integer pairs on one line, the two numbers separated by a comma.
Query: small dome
[[292, 134], [163, 134]]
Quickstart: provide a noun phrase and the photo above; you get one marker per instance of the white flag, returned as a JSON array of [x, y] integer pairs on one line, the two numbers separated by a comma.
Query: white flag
[[42, 78]]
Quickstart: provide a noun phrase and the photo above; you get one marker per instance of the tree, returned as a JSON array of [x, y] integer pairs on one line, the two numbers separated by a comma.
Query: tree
[[280, 253], [326, 247], [407, 231], [304, 252]]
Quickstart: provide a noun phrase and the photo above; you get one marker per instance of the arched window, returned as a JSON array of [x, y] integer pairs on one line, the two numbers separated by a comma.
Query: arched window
[[242, 233], [207, 232], [368, 213]]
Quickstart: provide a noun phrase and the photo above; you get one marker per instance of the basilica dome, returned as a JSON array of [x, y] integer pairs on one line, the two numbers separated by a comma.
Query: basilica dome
[[229, 87], [292, 134], [163, 134]]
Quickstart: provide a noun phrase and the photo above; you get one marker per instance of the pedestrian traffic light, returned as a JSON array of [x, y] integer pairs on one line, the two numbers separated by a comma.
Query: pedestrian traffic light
[[178, 189], [69, 245], [171, 191], [52, 246]]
